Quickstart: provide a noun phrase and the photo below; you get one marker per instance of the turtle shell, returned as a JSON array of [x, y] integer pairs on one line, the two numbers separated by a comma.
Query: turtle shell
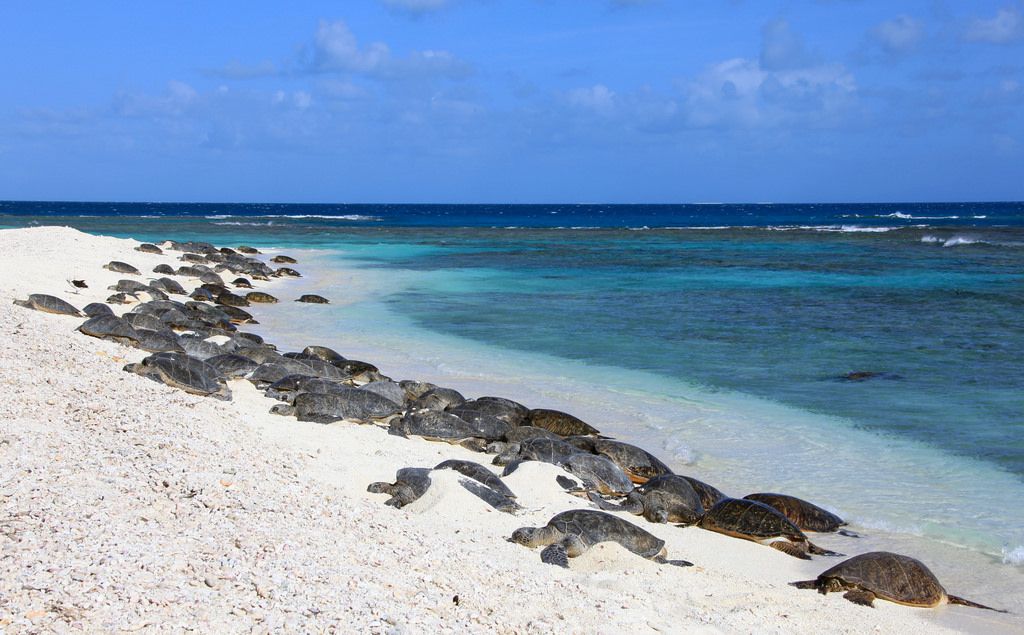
[[749, 519], [890, 576]]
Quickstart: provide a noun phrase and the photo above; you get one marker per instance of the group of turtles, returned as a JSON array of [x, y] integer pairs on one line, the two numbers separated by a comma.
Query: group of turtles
[[196, 346]]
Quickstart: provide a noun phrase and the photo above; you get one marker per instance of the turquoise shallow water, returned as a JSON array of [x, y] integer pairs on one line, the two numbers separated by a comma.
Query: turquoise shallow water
[[723, 349]]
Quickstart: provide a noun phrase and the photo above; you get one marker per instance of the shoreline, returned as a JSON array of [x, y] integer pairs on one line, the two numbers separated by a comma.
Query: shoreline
[[295, 509]]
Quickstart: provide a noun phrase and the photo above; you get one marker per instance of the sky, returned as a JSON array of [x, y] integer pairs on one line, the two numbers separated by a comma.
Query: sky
[[512, 101]]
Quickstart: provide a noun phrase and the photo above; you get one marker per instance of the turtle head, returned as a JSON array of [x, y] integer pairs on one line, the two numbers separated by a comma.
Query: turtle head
[[132, 368], [282, 409], [524, 536], [656, 515]]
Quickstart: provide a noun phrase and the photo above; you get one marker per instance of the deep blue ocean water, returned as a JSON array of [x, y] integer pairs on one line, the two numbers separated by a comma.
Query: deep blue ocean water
[[777, 302]]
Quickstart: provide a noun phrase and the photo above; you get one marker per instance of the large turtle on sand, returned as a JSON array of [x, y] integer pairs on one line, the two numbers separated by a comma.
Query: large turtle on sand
[[598, 473], [515, 414], [48, 304], [183, 372], [121, 267], [887, 576], [668, 498], [111, 327], [571, 533], [260, 297], [476, 472], [149, 248], [709, 495], [561, 423], [435, 425], [312, 298], [757, 522], [350, 404], [94, 309], [806, 516], [544, 449], [639, 464], [413, 482]]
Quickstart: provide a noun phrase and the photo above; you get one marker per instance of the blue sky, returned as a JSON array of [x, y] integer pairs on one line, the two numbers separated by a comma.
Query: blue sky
[[513, 101]]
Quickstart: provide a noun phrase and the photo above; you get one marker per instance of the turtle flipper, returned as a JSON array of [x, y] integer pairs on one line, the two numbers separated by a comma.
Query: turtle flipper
[[818, 551], [674, 563], [567, 484], [495, 499], [953, 599], [555, 554], [791, 549], [860, 596], [848, 533], [509, 467], [805, 584]]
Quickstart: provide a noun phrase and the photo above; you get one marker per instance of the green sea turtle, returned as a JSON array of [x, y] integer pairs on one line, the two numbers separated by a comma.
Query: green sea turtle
[[237, 315], [165, 270], [170, 286], [806, 516], [245, 249], [290, 386], [598, 473], [515, 414], [287, 271], [559, 422], [148, 248], [118, 298], [121, 267], [183, 372], [260, 297], [203, 295], [757, 522], [231, 365], [477, 472], [438, 398], [410, 484], [437, 425], [49, 304], [231, 299], [94, 309], [639, 464], [539, 448], [350, 404], [571, 533], [242, 283], [129, 286], [709, 495], [668, 498], [312, 298], [110, 327], [887, 576], [328, 355], [193, 258], [158, 341], [283, 259]]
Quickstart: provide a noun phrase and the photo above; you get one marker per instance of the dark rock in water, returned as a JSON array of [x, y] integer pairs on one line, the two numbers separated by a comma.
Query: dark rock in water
[[94, 309], [559, 422], [111, 327], [149, 249], [351, 404], [312, 298]]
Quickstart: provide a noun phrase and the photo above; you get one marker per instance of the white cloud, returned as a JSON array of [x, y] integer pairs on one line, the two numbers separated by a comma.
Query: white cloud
[[336, 48], [1006, 26], [598, 99], [781, 48], [417, 7], [177, 98], [899, 35]]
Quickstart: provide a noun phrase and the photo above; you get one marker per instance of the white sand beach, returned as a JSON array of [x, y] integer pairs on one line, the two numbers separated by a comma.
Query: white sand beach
[[130, 506]]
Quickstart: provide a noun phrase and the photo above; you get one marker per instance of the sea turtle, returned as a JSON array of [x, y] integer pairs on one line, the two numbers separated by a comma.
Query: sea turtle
[[709, 495], [290, 386], [228, 251], [141, 320], [513, 413], [350, 404], [387, 389], [183, 372], [477, 472], [170, 286], [118, 298], [121, 267], [668, 498], [164, 269], [158, 341], [437, 425], [806, 516], [49, 304], [242, 283], [598, 473], [438, 398], [287, 271], [110, 327], [148, 248], [559, 422], [94, 309], [543, 449], [237, 315], [260, 297], [129, 286], [231, 299], [193, 258], [202, 295], [410, 483], [571, 533], [639, 464], [231, 365], [328, 355], [887, 576], [751, 520], [312, 298], [245, 249], [283, 259]]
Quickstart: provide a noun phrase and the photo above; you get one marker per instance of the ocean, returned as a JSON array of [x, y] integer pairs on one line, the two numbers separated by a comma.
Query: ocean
[[869, 357]]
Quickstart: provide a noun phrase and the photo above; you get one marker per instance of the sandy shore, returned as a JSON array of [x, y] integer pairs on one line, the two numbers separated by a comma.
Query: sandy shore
[[126, 505]]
